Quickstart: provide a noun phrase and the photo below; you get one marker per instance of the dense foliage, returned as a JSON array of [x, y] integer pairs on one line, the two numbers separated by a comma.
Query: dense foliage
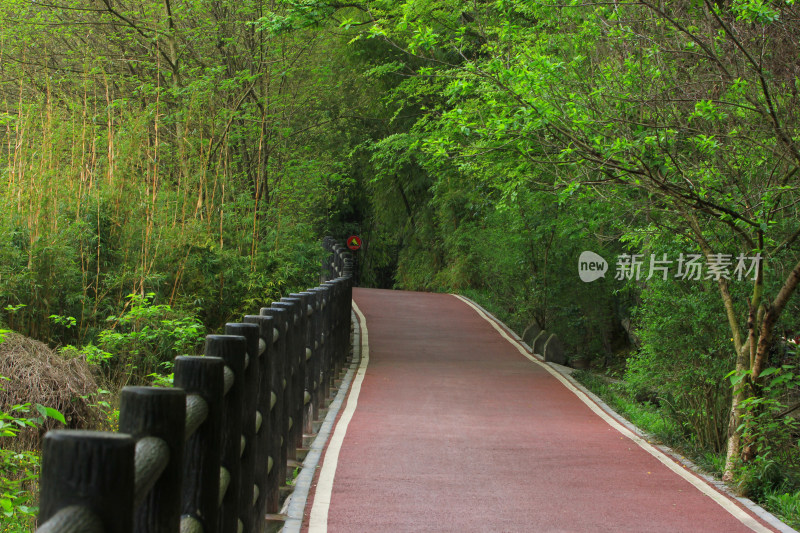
[[171, 163], [169, 147]]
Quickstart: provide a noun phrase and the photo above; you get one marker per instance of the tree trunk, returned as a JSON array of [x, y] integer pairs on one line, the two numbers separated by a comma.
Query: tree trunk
[[734, 435]]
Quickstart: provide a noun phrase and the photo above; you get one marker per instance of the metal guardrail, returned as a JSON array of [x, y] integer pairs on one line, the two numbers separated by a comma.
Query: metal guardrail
[[211, 454]]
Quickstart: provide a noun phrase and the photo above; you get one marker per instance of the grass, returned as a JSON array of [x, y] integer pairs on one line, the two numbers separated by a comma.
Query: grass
[[645, 416], [786, 505]]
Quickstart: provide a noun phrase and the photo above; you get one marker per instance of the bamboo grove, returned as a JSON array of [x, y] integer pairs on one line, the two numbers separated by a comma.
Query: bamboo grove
[[157, 146]]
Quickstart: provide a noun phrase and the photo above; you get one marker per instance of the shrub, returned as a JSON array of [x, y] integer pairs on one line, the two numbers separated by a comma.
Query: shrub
[[771, 436], [145, 338], [683, 360]]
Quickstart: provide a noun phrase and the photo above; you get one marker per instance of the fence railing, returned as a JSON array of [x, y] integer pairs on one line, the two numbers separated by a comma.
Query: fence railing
[[212, 453]]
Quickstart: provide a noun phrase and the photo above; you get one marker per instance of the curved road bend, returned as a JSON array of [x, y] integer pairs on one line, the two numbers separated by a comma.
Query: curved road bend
[[456, 431]]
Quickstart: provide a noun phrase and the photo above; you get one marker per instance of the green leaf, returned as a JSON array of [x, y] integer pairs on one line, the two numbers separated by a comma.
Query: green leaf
[[768, 371], [737, 378], [50, 412], [781, 379]]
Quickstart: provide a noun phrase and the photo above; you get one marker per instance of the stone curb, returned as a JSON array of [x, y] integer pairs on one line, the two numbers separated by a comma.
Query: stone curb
[[295, 505]]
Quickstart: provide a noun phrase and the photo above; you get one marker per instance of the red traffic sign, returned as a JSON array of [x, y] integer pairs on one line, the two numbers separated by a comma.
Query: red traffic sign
[[354, 242]]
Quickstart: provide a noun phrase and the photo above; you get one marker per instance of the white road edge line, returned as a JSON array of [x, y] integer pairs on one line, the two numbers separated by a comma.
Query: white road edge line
[[318, 519], [699, 484]]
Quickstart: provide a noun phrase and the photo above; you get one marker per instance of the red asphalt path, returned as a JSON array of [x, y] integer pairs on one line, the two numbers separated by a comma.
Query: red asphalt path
[[455, 430]]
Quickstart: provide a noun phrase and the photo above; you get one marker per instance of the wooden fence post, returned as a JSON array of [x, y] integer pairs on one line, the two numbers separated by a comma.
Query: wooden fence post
[[91, 469], [295, 352], [233, 350], [310, 408], [280, 385], [251, 455], [326, 360], [267, 437], [203, 376], [333, 310], [156, 413], [303, 395], [290, 374]]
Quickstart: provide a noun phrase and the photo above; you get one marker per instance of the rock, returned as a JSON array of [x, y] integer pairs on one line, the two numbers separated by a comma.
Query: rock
[[634, 339], [530, 334], [554, 350], [539, 341]]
